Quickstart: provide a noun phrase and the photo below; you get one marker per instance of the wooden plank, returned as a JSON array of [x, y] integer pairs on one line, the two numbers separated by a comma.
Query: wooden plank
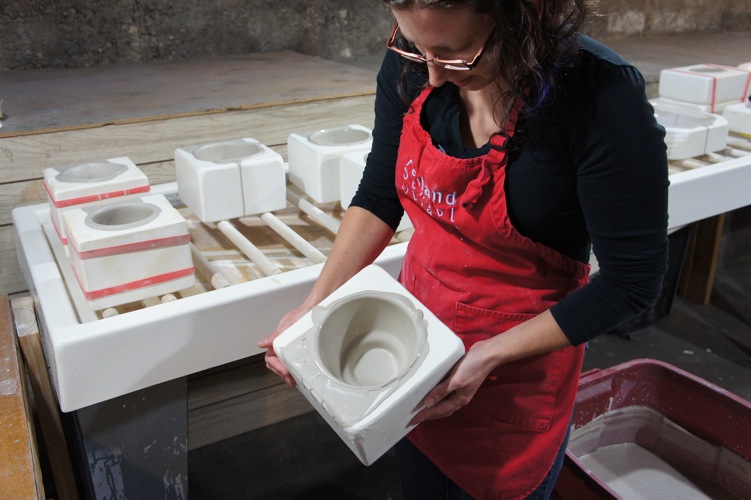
[[701, 261], [245, 413], [230, 382], [20, 474], [11, 277], [59, 98], [46, 404], [24, 157]]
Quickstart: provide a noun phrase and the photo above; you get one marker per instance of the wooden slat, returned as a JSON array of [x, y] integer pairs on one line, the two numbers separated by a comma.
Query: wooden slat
[[24, 157], [227, 401], [244, 413], [20, 475], [229, 382], [11, 277], [46, 404]]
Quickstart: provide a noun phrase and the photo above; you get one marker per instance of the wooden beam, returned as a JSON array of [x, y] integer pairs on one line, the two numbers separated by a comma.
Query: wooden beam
[[701, 259], [20, 474], [46, 404]]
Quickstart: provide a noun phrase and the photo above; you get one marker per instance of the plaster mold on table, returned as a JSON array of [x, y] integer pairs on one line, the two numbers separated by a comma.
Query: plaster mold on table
[[739, 117], [351, 168], [314, 158], [366, 357], [707, 84], [716, 108], [91, 183], [130, 250], [689, 132], [230, 179]]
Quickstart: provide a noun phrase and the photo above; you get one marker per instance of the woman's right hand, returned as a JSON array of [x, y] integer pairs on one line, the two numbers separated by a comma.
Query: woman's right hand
[[273, 362]]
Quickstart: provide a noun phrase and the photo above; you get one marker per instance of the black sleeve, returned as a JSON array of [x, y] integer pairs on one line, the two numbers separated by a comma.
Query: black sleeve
[[377, 190], [622, 186]]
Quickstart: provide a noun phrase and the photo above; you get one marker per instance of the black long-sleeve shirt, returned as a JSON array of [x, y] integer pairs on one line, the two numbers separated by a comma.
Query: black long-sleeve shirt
[[589, 172]]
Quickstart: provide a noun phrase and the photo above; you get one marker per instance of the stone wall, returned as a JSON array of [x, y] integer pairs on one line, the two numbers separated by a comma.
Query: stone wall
[[81, 33]]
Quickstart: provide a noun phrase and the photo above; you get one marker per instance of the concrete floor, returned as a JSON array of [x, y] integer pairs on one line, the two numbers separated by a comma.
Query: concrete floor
[[302, 458]]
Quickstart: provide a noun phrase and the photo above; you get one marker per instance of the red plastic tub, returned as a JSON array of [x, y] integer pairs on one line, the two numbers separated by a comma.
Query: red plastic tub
[[698, 428]]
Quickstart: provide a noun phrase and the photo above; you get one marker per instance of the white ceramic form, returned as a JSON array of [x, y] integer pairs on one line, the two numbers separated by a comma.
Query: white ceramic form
[[314, 158], [689, 132], [708, 84], [91, 183], [716, 108], [130, 250], [230, 179], [366, 357], [739, 117], [351, 168]]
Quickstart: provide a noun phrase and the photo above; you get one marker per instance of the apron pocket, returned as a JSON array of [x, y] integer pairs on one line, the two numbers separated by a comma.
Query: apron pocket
[[521, 393]]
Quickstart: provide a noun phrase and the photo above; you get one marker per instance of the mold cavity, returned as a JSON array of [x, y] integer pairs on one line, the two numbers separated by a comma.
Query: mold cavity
[[669, 118], [338, 136], [228, 151], [97, 171], [708, 69], [370, 339], [121, 216]]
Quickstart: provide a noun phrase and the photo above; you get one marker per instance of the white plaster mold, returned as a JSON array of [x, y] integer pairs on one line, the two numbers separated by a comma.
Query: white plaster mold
[[739, 117], [351, 168], [708, 84], [230, 179], [689, 132], [91, 183], [314, 158], [366, 357], [130, 250]]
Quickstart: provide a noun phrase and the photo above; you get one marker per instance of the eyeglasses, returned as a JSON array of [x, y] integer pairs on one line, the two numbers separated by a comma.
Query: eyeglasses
[[453, 64]]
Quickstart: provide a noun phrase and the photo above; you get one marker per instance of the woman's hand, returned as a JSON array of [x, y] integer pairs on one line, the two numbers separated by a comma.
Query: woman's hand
[[458, 388], [538, 335], [273, 362]]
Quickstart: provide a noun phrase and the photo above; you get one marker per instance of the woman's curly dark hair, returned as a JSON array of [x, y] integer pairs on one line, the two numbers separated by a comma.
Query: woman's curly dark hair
[[532, 42]]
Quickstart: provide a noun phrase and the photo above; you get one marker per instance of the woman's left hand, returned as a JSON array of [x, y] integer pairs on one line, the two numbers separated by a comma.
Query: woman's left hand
[[458, 388]]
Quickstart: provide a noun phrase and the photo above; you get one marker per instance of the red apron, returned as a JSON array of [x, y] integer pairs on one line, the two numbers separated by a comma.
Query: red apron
[[471, 268]]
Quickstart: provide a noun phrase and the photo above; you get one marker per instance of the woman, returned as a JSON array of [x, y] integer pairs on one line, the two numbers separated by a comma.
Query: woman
[[515, 145]]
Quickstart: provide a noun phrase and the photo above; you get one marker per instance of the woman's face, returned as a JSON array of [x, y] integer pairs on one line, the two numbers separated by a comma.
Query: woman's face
[[449, 34]]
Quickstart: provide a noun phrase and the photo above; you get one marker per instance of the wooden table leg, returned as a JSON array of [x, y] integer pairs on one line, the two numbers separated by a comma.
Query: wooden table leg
[[701, 260]]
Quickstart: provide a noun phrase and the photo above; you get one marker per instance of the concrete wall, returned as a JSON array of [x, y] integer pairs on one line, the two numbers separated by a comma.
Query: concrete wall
[[80, 33]]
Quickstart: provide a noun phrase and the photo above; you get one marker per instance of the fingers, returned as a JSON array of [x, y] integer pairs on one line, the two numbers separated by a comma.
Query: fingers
[[274, 364], [444, 408]]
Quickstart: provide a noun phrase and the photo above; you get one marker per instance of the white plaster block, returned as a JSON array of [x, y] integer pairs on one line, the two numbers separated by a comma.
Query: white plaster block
[[716, 108], [369, 409], [314, 158], [230, 179], [91, 183], [690, 133], [704, 84], [739, 117], [351, 168], [130, 250]]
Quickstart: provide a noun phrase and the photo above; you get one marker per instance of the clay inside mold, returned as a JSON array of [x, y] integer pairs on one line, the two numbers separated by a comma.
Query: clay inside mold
[[227, 151], [370, 339], [122, 216], [99, 171], [338, 136]]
